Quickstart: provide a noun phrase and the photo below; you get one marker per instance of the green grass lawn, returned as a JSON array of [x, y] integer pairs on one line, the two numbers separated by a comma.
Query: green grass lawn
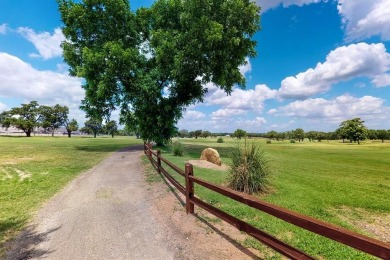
[[34, 169], [336, 182]]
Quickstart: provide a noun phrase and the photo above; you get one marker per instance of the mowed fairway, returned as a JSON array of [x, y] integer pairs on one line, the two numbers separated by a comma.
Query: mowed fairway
[[34, 169], [341, 183]]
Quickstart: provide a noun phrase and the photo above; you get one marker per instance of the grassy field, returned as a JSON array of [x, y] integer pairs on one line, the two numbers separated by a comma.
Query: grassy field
[[345, 184], [33, 169]]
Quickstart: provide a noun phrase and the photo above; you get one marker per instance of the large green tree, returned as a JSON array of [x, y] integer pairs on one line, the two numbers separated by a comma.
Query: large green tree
[[111, 128], [154, 62], [71, 125], [299, 134], [53, 117], [354, 129], [239, 133], [92, 126], [25, 117]]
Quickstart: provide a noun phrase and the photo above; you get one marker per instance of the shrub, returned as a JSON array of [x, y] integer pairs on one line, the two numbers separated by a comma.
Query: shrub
[[268, 141], [249, 169], [220, 140], [178, 148], [292, 141]]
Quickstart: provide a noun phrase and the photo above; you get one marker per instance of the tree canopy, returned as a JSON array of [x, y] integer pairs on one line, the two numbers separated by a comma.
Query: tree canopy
[[354, 129], [154, 62]]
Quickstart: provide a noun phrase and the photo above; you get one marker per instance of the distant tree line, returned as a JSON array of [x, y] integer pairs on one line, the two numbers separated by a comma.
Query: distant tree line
[[29, 116], [352, 130]]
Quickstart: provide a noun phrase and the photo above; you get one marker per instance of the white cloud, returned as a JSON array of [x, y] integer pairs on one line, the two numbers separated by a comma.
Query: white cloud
[[3, 28], [246, 100], [269, 4], [343, 63], [335, 110], [365, 18], [246, 68], [3, 107], [48, 45], [20, 80], [192, 115], [226, 112]]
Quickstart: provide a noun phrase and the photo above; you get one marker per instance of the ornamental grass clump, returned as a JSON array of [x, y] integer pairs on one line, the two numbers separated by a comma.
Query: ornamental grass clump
[[249, 169], [178, 149]]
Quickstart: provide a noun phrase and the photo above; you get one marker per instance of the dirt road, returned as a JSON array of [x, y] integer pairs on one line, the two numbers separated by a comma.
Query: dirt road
[[110, 212]]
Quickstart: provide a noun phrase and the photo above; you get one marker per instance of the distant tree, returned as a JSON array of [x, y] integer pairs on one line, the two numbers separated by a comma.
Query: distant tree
[[183, 133], [272, 134], [354, 129], [24, 118], [239, 133], [321, 136], [311, 135], [196, 133], [92, 126], [206, 134], [54, 117], [372, 134], [382, 135], [281, 135], [111, 128], [341, 133], [299, 134], [71, 125]]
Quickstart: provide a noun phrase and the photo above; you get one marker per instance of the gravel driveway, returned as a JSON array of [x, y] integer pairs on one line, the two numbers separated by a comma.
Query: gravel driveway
[[103, 214]]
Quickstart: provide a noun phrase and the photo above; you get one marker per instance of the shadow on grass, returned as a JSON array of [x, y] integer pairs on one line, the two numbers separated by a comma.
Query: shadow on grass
[[24, 246]]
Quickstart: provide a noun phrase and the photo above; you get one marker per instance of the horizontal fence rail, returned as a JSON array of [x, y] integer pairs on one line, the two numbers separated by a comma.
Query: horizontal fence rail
[[336, 233]]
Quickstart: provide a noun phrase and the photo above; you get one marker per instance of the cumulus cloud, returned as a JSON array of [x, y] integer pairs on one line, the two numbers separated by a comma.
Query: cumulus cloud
[[48, 45], [335, 110], [269, 4], [363, 19], [3, 28], [245, 100], [246, 67], [226, 112], [20, 80], [343, 63], [193, 114]]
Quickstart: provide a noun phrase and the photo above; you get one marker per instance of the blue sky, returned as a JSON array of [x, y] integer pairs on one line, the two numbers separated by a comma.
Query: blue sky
[[318, 63]]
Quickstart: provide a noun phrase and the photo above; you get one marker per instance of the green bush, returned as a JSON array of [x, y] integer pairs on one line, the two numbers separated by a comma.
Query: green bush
[[178, 149], [292, 141], [220, 140], [268, 141], [249, 169]]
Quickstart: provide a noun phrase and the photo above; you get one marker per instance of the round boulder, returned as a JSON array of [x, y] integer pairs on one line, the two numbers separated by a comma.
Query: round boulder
[[211, 155]]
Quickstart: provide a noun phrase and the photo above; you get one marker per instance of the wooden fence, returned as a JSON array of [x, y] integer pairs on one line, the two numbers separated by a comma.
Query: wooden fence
[[336, 233]]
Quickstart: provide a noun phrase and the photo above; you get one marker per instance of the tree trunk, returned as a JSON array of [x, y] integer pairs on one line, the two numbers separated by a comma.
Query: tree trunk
[[28, 133], [94, 135], [69, 133], [112, 135]]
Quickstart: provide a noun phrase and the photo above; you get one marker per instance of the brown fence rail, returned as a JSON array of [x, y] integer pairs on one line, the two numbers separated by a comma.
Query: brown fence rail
[[336, 233]]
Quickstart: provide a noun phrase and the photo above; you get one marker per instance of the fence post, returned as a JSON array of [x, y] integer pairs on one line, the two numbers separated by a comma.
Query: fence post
[[158, 161], [189, 171], [149, 150]]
